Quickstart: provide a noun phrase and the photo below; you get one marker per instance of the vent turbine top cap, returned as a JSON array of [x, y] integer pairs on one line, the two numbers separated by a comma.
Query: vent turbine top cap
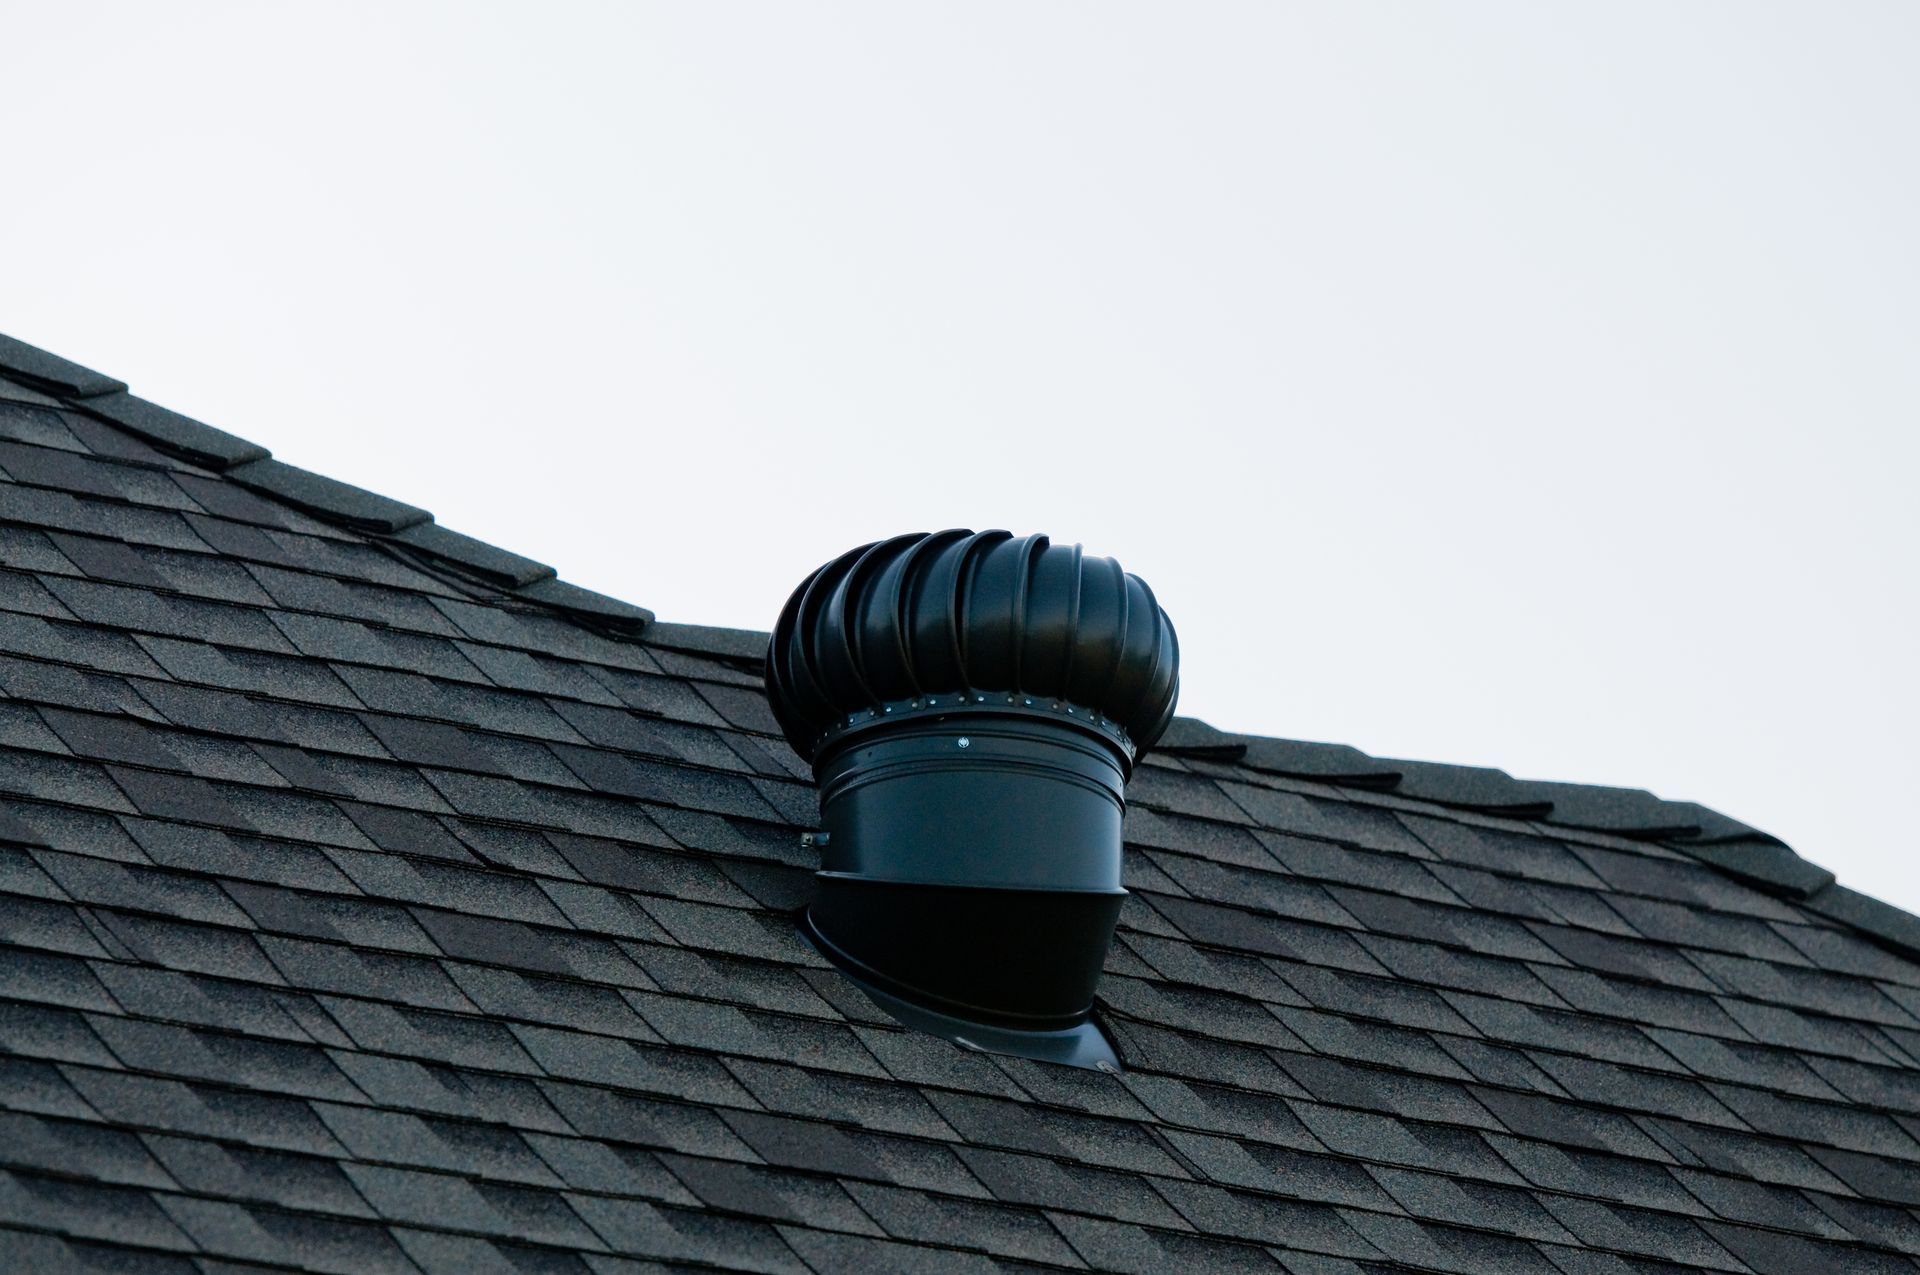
[[973, 705], [883, 629]]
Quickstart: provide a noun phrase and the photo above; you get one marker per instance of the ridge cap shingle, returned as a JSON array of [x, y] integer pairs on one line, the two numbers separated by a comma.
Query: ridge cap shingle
[[50, 371], [1726, 844], [400, 527]]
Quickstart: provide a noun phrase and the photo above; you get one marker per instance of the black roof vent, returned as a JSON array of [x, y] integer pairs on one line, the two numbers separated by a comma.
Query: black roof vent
[[973, 705]]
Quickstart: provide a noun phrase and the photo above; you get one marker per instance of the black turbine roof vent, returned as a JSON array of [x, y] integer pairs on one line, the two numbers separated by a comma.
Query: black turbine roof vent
[[973, 705]]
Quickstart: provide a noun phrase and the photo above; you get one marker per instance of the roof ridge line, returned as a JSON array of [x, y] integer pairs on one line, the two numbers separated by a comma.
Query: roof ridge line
[[1733, 848], [406, 530], [1630, 812]]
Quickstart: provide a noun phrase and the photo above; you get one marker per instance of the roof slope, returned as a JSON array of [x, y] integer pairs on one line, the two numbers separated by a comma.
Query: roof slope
[[371, 903]]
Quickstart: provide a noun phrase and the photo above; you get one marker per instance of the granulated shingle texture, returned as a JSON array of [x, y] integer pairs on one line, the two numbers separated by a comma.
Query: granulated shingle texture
[[370, 903]]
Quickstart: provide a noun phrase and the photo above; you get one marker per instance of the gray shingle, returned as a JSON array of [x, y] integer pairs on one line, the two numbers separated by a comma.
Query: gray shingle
[[573, 599], [1448, 1248], [230, 501], [590, 908], [826, 1251], [178, 434], [1386, 1140], [510, 994], [271, 1177], [139, 610], [362, 922], [464, 748], [24, 596], [482, 893], [648, 871], [1636, 1002], [646, 1068], [91, 476], [130, 886], [484, 560], [1768, 1252], [1632, 1230], [176, 945], [199, 1054], [455, 1039], [1526, 1025], [41, 683], [921, 1060], [1444, 1197], [1569, 1170], [1276, 1170], [489, 940], [404, 1084], [1535, 1116], [1317, 1228], [1380, 1043], [253, 1233], [37, 425], [644, 1230], [1745, 1064], [443, 1253], [37, 923], [630, 1118], [43, 1031], [1372, 1088], [1603, 1083], [203, 1001], [325, 496], [148, 1102], [38, 1087], [55, 979], [1873, 1173], [263, 672], [1110, 1144], [78, 1148], [1738, 1200], [760, 1191], [37, 365], [24, 728], [1747, 1156], [1051, 1184], [93, 1211], [38, 1251], [1874, 1223], [59, 779], [747, 983], [180, 797], [609, 1168], [1024, 1234]]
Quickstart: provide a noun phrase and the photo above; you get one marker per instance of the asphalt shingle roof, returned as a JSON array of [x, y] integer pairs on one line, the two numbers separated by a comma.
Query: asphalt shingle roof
[[373, 901]]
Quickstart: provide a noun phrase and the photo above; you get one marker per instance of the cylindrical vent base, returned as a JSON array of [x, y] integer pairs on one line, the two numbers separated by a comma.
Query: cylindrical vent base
[[972, 863]]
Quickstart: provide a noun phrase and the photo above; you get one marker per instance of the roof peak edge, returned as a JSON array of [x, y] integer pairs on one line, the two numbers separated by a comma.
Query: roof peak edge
[[406, 530], [1735, 849]]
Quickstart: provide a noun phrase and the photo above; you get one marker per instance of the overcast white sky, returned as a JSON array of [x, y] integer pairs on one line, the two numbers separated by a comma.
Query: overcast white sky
[[1529, 385]]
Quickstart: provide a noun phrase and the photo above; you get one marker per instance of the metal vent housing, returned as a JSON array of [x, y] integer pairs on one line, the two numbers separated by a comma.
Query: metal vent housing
[[973, 705]]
